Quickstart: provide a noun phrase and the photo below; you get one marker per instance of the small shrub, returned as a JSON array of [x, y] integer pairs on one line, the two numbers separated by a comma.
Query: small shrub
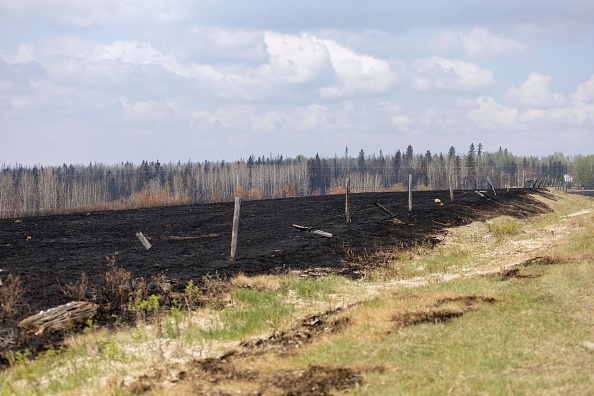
[[140, 293], [164, 286], [216, 291], [12, 297], [76, 290], [150, 304], [115, 288], [147, 307], [192, 294]]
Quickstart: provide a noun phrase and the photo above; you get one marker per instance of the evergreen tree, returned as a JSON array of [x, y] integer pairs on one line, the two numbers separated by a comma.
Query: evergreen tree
[[361, 161], [396, 162], [408, 157]]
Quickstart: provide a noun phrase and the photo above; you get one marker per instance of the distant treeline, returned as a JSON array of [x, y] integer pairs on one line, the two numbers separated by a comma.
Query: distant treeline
[[36, 190]]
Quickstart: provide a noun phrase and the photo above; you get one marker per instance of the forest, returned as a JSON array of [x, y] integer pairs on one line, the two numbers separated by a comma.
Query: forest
[[39, 190]]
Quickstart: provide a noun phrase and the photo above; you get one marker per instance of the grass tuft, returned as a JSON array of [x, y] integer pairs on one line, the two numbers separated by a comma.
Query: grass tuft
[[504, 227]]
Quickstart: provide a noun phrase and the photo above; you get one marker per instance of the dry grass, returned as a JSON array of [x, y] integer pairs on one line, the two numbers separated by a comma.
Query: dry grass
[[259, 282], [12, 297]]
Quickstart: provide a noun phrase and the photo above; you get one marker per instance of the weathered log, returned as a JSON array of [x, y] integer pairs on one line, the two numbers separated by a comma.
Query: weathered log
[[64, 317], [322, 233], [313, 231]]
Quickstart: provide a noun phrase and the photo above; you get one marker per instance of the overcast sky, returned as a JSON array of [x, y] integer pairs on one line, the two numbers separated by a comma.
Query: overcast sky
[[108, 81]]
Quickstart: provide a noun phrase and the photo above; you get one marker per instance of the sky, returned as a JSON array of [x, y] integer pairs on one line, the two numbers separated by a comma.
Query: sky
[[85, 81]]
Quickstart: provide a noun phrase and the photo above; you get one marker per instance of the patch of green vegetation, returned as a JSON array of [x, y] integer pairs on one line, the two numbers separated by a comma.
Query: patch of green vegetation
[[444, 259], [255, 312], [504, 227], [312, 288], [51, 372], [529, 342]]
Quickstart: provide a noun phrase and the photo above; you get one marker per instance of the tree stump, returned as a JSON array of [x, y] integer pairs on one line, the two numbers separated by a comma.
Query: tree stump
[[63, 317]]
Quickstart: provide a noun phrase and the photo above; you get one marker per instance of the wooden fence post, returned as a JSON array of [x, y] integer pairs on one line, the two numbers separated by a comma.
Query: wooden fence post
[[410, 208], [451, 191], [235, 228], [347, 212]]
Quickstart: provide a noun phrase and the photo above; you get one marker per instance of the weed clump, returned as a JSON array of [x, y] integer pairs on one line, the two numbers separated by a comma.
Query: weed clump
[[504, 227]]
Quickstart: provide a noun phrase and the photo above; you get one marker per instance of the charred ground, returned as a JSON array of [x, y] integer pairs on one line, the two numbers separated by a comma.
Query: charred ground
[[190, 242]]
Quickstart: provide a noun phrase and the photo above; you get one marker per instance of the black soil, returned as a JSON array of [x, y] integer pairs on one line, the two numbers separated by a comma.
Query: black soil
[[189, 242]]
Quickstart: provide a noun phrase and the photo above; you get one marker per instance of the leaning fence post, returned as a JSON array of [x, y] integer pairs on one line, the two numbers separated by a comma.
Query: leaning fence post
[[410, 193], [235, 228], [147, 245], [347, 213], [492, 188]]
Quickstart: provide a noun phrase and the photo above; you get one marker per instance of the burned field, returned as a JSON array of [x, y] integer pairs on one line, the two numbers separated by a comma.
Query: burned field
[[190, 242]]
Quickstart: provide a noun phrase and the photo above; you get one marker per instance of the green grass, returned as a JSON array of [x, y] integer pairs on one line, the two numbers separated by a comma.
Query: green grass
[[255, 312], [530, 342], [308, 288], [504, 227]]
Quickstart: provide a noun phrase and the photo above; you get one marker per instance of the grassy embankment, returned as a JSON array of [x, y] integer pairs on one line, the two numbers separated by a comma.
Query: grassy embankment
[[516, 316]]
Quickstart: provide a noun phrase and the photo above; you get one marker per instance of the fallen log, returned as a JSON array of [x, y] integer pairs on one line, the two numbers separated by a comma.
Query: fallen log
[[64, 317], [384, 209], [313, 231]]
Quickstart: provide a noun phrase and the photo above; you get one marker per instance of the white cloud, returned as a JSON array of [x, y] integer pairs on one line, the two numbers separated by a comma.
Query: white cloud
[[535, 92], [577, 114], [477, 43], [266, 123], [480, 43], [357, 74], [314, 117], [585, 90], [220, 45], [298, 59], [437, 117], [491, 115], [254, 76], [294, 59], [402, 122], [436, 73], [23, 54], [296, 65]]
